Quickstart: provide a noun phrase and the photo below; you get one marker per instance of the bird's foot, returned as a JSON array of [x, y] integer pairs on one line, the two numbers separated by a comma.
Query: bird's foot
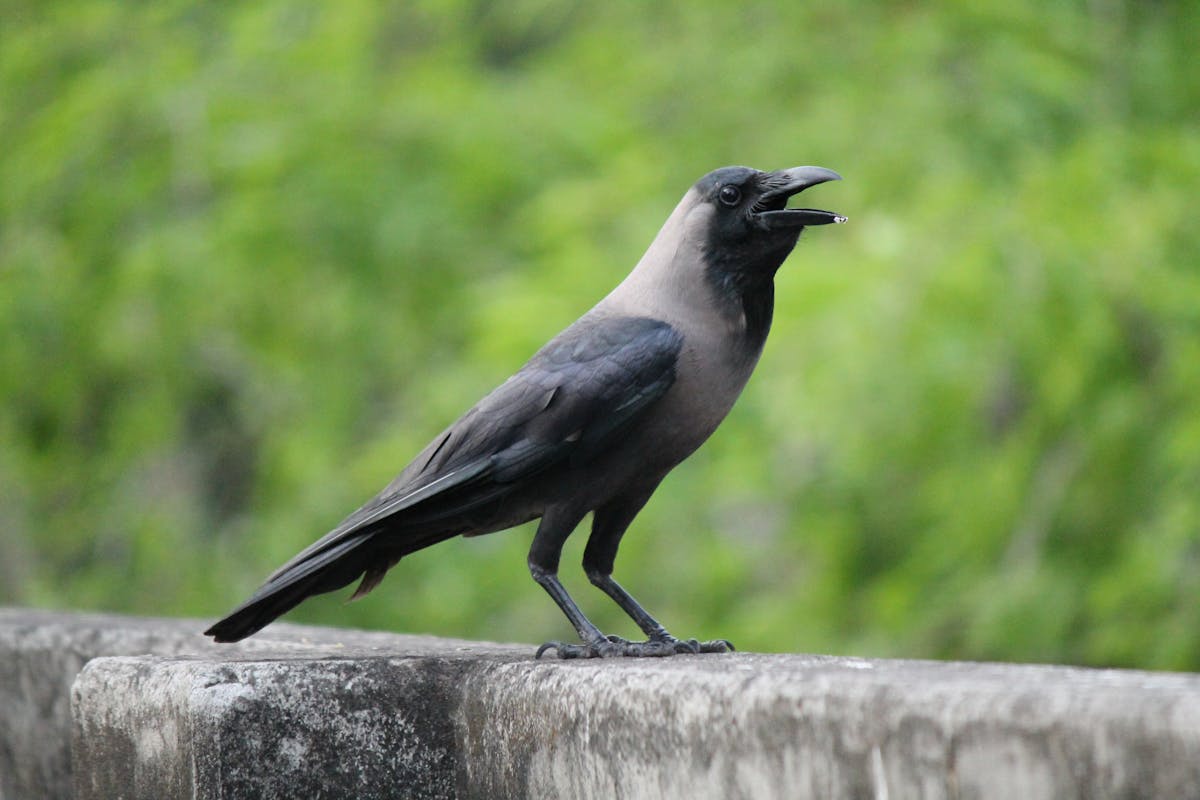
[[616, 647]]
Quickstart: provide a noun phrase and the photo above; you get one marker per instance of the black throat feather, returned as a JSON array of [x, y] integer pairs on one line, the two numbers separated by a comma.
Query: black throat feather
[[741, 272], [746, 294]]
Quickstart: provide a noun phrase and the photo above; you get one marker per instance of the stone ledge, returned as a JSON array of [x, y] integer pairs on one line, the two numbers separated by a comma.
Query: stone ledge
[[42, 653], [301, 712]]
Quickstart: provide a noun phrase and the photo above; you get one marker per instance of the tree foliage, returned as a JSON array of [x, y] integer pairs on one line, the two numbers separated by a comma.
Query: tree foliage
[[252, 257]]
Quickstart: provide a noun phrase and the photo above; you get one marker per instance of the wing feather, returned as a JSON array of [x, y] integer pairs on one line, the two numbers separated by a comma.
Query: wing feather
[[569, 401]]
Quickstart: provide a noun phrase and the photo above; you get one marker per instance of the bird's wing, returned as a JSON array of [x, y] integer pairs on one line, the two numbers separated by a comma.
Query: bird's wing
[[570, 401]]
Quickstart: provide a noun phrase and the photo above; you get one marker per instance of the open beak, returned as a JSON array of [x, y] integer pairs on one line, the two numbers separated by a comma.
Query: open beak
[[771, 210]]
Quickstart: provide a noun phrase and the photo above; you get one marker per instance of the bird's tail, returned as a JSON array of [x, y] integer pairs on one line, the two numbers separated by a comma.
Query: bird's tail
[[324, 571], [321, 570], [368, 543]]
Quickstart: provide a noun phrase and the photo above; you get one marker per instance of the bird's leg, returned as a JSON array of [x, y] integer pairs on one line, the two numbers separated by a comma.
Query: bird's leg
[[543, 566], [657, 636], [588, 632], [608, 526]]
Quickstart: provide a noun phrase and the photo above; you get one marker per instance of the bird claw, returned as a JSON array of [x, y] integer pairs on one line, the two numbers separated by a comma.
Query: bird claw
[[557, 647], [616, 647], [694, 647]]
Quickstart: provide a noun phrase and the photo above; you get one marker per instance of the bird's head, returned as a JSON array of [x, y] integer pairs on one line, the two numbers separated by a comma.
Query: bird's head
[[749, 228]]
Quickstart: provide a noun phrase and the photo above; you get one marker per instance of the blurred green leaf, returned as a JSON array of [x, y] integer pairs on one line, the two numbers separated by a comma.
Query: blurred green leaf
[[253, 258]]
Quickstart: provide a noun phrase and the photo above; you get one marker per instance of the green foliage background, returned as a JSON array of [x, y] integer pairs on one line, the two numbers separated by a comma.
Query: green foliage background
[[252, 257]]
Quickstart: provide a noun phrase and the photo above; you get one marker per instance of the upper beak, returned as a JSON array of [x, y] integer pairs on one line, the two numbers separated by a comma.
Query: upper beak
[[771, 208]]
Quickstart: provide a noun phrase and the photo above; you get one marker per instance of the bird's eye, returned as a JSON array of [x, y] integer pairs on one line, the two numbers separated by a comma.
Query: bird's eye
[[730, 195]]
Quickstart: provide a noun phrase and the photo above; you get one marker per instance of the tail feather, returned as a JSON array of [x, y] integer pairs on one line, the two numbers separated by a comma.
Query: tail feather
[[324, 571], [327, 571], [255, 615], [372, 578]]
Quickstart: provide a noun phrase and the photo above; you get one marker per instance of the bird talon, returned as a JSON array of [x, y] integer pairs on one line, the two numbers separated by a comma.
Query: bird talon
[[541, 651], [565, 652], [616, 647]]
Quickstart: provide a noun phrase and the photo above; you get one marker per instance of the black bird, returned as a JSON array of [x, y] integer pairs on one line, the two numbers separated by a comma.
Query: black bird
[[594, 420]]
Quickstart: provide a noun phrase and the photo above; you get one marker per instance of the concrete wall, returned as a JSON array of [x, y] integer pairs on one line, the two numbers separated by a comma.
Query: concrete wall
[[102, 706]]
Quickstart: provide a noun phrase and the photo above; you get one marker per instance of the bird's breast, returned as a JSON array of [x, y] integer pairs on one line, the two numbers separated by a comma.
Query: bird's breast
[[713, 370]]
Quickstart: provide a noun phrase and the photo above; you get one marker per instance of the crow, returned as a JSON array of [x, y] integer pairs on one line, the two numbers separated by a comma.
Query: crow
[[593, 421]]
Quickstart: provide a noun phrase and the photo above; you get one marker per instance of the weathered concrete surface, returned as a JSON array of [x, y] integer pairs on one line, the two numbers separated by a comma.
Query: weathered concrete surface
[[488, 722], [355, 726], [42, 652], [310, 712], [759, 726], [355, 721]]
